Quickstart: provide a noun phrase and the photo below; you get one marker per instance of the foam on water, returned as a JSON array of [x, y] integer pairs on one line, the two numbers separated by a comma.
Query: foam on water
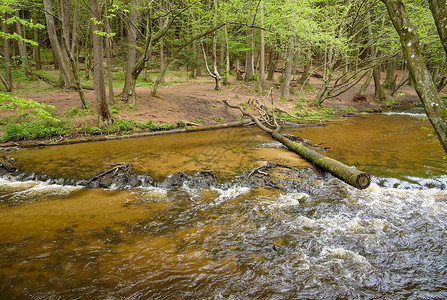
[[289, 199], [228, 194], [410, 113], [14, 192], [412, 182]]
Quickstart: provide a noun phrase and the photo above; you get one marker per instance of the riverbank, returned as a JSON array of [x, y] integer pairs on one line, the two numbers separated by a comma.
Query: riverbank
[[193, 103]]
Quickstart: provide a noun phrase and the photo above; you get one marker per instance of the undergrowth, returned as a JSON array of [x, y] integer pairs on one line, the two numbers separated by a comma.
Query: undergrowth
[[34, 130], [13, 131], [122, 126]]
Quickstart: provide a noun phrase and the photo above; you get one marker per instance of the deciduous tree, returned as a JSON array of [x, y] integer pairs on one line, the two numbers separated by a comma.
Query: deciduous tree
[[104, 116], [421, 77]]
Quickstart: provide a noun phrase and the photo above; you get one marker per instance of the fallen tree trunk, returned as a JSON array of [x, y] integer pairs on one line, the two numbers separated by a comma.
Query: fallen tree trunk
[[347, 174]]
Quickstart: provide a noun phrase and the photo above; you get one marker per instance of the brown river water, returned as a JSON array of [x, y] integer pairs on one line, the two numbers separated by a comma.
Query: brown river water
[[316, 239]]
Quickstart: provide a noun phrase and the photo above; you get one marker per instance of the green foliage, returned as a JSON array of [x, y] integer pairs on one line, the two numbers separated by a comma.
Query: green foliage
[[153, 126], [219, 119], [10, 9], [281, 79], [80, 112], [115, 110], [164, 126], [34, 130], [186, 57], [26, 107], [125, 125], [285, 116], [308, 88], [348, 109], [389, 102], [317, 113]]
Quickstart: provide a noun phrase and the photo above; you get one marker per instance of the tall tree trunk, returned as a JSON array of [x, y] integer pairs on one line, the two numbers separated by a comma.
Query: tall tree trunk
[[104, 116], [74, 31], [422, 80], [288, 73], [222, 53], [55, 61], [108, 53], [371, 52], [227, 57], [390, 80], [379, 93], [439, 11], [330, 61], [162, 59], [65, 20], [273, 61], [128, 89], [262, 52], [306, 70], [75, 69], [216, 74], [65, 26], [249, 58], [199, 67], [365, 85], [6, 54], [21, 44], [57, 51], [36, 48]]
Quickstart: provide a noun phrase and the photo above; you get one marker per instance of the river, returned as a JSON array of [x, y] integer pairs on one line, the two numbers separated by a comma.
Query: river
[[317, 238]]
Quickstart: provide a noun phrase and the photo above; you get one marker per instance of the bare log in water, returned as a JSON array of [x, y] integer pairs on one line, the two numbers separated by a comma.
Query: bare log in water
[[347, 174]]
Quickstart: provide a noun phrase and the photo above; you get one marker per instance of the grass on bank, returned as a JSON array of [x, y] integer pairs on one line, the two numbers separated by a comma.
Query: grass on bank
[[13, 131]]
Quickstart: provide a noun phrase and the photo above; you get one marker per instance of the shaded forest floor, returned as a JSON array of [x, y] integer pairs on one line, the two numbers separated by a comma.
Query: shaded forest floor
[[197, 102]]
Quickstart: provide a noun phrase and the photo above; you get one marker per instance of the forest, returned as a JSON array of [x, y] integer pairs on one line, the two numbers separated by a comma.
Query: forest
[[113, 47], [223, 149]]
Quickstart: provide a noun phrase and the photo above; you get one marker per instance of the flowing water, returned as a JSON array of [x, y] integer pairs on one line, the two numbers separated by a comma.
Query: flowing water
[[316, 238]]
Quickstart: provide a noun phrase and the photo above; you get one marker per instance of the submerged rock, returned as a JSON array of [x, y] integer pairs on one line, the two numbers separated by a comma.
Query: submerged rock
[[175, 180], [106, 181], [119, 177], [7, 164]]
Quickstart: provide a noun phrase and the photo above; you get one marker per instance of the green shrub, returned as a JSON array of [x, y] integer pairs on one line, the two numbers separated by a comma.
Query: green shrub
[[348, 109], [389, 102], [80, 112], [164, 126], [115, 110], [126, 125], [34, 130], [27, 107]]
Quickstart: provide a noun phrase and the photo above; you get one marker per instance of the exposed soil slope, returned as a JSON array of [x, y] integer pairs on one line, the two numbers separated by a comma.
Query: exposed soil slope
[[197, 102]]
